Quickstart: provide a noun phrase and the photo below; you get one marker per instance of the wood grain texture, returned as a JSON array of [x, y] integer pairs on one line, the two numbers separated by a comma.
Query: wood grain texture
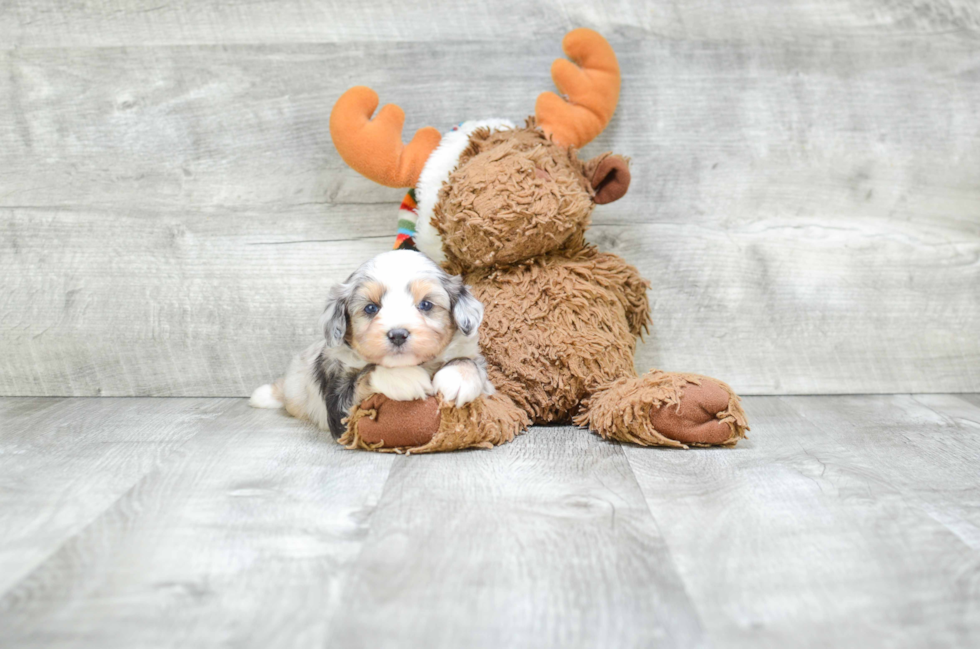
[[806, 209], [241, 539], [47, 23], [840, 520], [63, 462], [164, 304], [544, 542]]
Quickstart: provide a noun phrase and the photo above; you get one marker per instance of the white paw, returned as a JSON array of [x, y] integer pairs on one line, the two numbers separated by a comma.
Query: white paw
[[458, 384], [402, 383]]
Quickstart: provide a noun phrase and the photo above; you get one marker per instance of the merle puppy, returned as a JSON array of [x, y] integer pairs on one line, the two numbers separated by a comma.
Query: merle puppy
[[400, 326]]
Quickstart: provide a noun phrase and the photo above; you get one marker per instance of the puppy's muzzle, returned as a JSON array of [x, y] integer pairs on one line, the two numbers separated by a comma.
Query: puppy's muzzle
[[397, 337]]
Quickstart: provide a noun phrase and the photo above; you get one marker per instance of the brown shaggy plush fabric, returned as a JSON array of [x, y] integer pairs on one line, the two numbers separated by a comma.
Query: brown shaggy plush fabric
[[558, 326], [514, 195]]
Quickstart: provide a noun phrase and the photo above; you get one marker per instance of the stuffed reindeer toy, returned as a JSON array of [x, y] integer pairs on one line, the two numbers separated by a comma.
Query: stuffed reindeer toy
[[507, 207]]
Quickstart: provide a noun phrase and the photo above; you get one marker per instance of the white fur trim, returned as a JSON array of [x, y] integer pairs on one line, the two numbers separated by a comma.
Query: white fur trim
[[436, 171]]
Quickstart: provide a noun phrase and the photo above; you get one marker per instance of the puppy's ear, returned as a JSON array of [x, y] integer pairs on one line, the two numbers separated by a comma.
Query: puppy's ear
[[334, 320], [467, 310]]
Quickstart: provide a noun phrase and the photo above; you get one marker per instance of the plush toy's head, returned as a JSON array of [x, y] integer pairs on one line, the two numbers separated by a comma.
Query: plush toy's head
[[516, 194], [488, 192]]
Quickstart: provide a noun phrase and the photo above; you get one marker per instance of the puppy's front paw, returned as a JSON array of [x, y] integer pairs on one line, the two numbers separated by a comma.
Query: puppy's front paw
[[401, 383], [459, 383]]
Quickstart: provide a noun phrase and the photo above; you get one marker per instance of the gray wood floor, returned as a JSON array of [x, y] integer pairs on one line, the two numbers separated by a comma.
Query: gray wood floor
[[842, 521]]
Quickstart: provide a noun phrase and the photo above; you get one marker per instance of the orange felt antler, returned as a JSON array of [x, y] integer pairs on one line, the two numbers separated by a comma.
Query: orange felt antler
[[591, 83], [373, 147]]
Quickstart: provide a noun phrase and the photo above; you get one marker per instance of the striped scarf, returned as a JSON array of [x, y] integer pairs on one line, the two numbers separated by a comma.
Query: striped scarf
[[408, 215]]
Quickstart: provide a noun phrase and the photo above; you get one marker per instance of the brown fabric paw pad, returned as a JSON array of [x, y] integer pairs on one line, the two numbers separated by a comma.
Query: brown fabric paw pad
[[667, 409], [379, 422], [427, 426], [694, 420]]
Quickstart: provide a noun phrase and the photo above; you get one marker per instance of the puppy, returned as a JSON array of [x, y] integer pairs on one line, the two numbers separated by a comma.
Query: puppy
[[399, 326]]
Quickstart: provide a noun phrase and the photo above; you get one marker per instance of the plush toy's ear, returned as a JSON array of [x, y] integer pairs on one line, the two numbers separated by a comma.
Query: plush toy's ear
[[609, 176]]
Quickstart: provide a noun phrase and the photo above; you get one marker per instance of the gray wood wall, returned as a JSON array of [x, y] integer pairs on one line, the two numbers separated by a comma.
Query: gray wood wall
[[806, 193]]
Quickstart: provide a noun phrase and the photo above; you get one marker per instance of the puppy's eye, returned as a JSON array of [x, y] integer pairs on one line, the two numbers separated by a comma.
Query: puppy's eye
[[425, 305], [371, 309]]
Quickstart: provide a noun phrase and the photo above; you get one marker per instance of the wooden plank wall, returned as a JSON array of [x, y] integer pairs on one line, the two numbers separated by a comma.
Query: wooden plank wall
[[806, 193]]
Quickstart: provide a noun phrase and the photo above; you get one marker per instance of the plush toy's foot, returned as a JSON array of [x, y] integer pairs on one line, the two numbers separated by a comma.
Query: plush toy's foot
[[666, 409], [426, 426]]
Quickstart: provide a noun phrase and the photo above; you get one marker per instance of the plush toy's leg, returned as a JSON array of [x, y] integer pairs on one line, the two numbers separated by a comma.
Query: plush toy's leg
[[426, 426], [666, 409]]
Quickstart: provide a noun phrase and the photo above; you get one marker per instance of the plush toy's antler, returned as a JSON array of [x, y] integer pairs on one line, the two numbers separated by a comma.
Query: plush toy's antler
[[373, 147], [591, 83]]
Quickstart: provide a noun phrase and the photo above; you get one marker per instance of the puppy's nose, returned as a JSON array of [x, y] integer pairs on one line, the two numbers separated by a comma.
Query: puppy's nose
[[398, 337]]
